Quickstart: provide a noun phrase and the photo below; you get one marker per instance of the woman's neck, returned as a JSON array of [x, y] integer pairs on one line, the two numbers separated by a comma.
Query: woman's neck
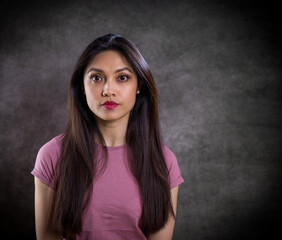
[[114, 132]]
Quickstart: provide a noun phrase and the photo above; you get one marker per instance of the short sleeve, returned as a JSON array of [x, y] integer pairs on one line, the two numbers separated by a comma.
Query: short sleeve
[[46, 161], [175, 177]]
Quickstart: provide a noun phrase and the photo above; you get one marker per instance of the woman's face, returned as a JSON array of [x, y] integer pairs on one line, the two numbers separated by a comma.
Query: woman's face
[[110, 85]]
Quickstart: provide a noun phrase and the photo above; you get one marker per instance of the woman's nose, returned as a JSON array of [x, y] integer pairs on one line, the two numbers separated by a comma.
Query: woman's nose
[[108, 89]]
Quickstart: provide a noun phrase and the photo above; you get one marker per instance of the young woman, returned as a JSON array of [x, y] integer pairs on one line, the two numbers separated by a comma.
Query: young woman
[[108, 176]]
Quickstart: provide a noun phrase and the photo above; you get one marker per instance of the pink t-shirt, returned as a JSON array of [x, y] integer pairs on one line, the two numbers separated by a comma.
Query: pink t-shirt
[[115, 207]]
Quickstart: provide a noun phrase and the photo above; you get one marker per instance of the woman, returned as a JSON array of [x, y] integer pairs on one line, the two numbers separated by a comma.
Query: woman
[[108, 176]]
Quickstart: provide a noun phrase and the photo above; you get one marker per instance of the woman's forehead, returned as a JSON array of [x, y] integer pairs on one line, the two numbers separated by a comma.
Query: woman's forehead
[[109, 59]]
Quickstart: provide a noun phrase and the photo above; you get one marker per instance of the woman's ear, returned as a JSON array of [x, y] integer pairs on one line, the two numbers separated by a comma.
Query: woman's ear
[[139, 87]]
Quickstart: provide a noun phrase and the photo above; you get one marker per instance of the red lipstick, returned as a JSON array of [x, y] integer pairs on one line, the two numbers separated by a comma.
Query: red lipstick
[[110, 104]]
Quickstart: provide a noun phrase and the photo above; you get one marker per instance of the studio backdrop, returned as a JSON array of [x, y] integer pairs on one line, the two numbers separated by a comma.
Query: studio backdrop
[[217, 66]]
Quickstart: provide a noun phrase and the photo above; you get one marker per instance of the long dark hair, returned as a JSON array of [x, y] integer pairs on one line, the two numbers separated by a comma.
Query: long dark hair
[[78, 162]]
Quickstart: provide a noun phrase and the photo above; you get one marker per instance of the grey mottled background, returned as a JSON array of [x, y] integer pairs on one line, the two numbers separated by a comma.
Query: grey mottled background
[[217, 65]]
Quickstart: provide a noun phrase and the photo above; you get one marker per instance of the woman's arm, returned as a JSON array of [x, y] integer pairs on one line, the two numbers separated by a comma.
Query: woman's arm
[[43, 198], [167, 231]]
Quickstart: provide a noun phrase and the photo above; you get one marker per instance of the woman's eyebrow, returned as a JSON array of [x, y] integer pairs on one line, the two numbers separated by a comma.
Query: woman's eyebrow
[[101, 71], [95, 69], [122, 69]]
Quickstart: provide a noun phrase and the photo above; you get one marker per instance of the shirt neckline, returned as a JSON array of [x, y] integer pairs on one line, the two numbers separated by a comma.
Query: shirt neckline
[[112, 148]]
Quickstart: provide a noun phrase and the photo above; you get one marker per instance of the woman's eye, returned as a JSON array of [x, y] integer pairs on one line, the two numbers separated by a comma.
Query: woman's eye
[[96, 78], [123, 78]]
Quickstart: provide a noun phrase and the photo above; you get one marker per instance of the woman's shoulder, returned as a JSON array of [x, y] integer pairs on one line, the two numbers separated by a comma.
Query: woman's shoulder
[[169, 155], [167, 151], [53, 145], [51, 150]]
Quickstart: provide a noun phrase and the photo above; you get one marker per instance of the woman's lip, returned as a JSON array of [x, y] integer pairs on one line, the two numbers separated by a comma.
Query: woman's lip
[[110, 104]]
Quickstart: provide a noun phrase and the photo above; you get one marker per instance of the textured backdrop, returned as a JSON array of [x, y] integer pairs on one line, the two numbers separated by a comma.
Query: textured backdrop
[[217, 65]]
